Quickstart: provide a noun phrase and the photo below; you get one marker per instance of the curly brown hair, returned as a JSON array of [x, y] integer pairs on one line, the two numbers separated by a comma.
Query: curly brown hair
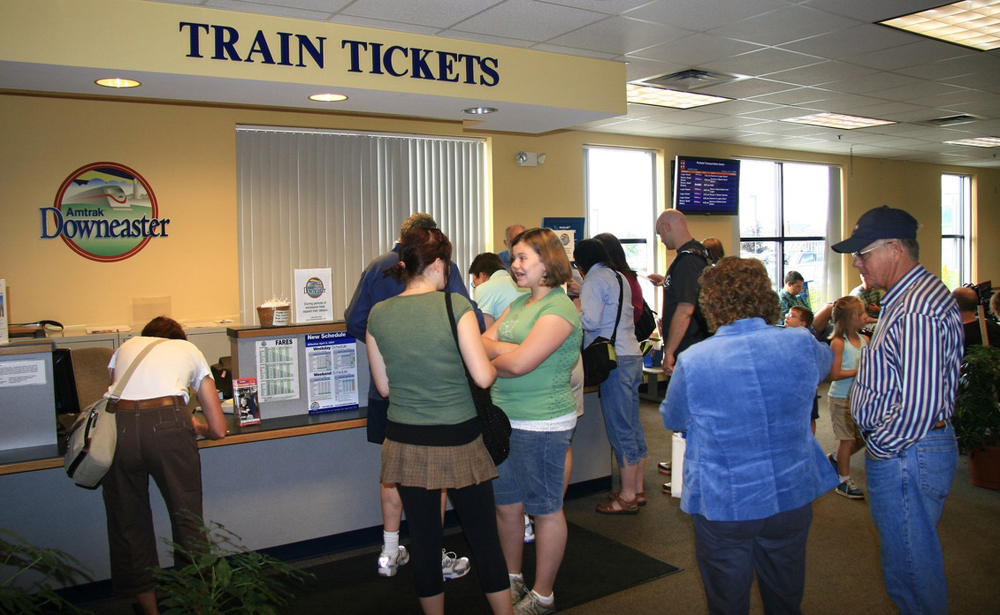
[[737, 288]]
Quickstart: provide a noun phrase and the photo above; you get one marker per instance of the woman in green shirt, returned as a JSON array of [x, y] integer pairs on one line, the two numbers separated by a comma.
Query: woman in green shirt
[[534, 345], [433, 439]]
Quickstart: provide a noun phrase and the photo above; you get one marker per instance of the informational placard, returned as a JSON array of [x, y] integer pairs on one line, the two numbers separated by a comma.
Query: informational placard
[[3, 312], [22, 373], [332, 364], [313, 300], [568, 230], [277, 369]]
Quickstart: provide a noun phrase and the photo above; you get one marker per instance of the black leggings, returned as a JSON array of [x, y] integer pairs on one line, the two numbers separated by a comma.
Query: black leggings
[[476, 511]]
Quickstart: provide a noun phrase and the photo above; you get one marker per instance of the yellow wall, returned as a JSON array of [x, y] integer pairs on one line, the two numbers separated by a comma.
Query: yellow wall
[[187, 153]]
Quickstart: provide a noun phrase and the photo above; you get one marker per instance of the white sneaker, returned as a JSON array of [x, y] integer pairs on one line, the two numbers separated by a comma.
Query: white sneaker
[[452, 566], [517, 588], [531, 605], [529, 529], [389, 562]]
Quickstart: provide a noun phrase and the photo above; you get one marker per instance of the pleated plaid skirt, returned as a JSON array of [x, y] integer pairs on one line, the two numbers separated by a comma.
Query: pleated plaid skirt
[[436, 467]]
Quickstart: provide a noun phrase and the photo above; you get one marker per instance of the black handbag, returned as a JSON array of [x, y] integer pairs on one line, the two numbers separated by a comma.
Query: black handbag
[[494, 423], [599, 357], [646, 324]]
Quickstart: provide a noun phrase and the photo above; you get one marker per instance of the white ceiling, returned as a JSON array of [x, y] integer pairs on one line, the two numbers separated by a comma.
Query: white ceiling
[[798, 57]]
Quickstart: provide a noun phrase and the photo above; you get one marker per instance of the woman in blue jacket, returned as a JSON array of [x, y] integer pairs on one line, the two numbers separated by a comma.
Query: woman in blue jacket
[[752, 466]]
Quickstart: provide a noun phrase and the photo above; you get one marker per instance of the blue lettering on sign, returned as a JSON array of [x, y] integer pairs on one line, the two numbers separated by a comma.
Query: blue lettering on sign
[[54, 224], [225, 43]]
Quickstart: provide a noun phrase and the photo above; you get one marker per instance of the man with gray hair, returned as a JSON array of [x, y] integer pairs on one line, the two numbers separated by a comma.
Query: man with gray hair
[[512, 231], [903, 399], [374, 287]]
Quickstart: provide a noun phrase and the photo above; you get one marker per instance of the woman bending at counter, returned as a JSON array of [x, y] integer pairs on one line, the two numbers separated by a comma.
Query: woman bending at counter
[[432, 437], [157, 437], [534, 345]]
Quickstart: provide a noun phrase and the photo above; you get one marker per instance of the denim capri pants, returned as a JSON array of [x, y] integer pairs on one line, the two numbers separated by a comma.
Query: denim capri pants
[[533, 472]]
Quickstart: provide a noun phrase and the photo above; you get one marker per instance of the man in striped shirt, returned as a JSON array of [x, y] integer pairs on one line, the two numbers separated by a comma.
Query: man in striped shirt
[[903, 399]]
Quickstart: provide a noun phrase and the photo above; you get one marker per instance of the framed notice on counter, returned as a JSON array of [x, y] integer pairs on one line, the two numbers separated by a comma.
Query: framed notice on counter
[[568, 230], [313, 301], [332, 364], [277, 369]]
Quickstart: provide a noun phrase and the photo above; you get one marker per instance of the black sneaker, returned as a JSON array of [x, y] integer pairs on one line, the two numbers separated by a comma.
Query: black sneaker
[[664, 467], [832, 458]]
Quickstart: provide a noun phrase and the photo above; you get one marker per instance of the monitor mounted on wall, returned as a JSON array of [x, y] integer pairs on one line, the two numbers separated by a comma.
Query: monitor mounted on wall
[[706, 186]]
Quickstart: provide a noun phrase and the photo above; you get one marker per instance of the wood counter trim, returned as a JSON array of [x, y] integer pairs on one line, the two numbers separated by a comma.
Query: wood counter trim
[[313, 328], [240, 438]]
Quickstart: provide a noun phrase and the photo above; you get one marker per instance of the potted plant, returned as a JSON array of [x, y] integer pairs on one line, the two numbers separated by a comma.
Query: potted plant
[[21, 561], [977, 414], [223, 576]]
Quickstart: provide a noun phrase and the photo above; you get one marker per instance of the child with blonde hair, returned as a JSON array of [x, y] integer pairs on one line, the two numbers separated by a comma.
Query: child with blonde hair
[[848, 317]]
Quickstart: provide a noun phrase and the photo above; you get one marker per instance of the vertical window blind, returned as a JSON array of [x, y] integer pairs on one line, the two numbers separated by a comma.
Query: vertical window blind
[[315, 199]]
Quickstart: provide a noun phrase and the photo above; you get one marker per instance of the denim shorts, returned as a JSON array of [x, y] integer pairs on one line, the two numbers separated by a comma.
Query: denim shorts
[[533, 472]]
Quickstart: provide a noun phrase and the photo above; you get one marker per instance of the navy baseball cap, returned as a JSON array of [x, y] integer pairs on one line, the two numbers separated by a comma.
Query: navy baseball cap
[[879, 223]]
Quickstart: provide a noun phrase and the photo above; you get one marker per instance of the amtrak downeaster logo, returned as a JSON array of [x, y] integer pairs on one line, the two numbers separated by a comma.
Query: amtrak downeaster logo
[[314, 288], [104, 211]]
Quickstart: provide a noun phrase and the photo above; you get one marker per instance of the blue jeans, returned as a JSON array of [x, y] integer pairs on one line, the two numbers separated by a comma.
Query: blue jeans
[[533, 472], [730, 552], [906, 495], [620, 407]]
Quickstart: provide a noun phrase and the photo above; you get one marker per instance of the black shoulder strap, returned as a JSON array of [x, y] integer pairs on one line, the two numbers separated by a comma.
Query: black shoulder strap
[[621, 298]]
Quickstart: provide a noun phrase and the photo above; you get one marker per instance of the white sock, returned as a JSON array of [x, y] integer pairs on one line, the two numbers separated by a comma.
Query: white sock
[[390, 542], [844, 478], [519, 576], [546, 600]]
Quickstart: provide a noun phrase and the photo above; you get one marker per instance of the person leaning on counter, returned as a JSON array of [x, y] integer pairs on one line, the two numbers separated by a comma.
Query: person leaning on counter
[[157, 436]]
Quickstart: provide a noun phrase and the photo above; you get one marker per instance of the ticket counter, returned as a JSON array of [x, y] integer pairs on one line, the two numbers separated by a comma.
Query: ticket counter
[[293, 478]]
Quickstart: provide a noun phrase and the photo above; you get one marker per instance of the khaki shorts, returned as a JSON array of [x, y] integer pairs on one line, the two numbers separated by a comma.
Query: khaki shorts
[[844, 427]]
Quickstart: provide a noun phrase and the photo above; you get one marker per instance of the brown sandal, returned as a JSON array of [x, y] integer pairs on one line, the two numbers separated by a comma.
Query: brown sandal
[[640, 497], [625, 507]]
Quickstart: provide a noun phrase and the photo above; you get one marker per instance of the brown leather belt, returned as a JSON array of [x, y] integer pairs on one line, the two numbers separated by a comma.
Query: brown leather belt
[[148, 404]]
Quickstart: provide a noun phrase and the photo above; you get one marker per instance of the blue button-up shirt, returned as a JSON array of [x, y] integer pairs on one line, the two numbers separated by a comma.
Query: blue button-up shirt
[[908, 376]]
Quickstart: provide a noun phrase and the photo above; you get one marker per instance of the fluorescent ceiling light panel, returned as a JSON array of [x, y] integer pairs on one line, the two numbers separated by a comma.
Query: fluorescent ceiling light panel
[[970, 23], [117, 82], [978, 142], [328, 97], [836, 120], [660, 97]]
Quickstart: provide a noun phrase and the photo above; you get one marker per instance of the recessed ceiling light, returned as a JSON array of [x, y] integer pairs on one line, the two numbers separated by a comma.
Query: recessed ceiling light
[[327, 97], [480, 110], [972, 23], [836, 120], [116, 82], [675, 99], [978, 142]]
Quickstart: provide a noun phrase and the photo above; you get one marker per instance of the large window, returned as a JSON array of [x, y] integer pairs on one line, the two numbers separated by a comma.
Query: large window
[[317, 199], [956, 215], [621, 200], [785, 212]]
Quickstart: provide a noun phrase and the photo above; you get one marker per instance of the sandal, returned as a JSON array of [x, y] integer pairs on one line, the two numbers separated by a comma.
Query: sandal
[[640, 497], [625, 507]]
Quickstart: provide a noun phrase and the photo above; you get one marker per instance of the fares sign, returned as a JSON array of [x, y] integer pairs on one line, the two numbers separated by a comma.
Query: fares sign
[[105, 212]]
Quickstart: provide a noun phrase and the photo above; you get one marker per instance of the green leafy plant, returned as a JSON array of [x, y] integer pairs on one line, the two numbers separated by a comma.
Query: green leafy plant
[[20, 561], [977, 409], [222, 576]]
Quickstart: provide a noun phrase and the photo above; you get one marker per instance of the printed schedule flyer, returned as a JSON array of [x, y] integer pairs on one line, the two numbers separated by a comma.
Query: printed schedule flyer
[[332, 364], [277, 369]]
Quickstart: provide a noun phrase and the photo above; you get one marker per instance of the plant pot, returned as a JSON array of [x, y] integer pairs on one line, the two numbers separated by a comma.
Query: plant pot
[[984, 467]]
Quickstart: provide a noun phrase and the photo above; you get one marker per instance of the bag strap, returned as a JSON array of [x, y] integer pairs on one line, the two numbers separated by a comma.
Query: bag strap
[[621, 298], [117, 393], [454, 332]]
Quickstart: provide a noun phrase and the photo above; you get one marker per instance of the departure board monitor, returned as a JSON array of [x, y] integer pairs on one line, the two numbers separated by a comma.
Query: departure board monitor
[[707, 186]]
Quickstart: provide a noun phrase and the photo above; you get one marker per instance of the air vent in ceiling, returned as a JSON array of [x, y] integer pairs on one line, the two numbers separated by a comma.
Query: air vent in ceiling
[[691, 79], [952, 120]]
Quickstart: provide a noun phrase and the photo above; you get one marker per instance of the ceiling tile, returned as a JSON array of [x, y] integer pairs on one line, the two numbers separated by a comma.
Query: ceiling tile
[[745, 88], [528, 19], [441, 14], [865, 38], [822, 73], [920, 52], [382, 24], [702, 15], [872, 83], [696, 49], [618, 35], [866, 10], [586, 53], [918, 92], [639, 68], [794, 96], [784, 26], [611, 7], [762, 62]]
